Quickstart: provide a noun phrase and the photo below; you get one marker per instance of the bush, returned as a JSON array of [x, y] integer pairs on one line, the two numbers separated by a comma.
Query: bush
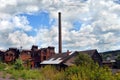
[[86, 69], [83, 59], [88, 73], [2, 66], [51, 73], [25, 74], [81, 71], [18, 65]]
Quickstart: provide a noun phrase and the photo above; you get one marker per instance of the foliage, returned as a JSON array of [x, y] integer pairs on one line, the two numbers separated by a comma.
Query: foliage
[[83, 59], [84, 70], [2, 66], [18, 64], [70, 73], [118, 58], [25, 74], [111, 54], [117, 64], [105, 56], [51, 73], [88, 73]]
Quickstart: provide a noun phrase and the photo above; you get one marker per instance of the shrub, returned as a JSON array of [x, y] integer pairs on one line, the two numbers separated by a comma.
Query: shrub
[[18, 65], [51, 73], [2, 66], [83, 59], [86, 69], [88, 73]]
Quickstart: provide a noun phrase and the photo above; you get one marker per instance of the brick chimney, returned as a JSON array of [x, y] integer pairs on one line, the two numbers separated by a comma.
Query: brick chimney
[[68, 52], [59, 33]]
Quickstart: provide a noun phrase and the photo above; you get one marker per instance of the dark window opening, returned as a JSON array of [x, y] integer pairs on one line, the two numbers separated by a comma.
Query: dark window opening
[[6, 54], [44, 57], [11, 54]]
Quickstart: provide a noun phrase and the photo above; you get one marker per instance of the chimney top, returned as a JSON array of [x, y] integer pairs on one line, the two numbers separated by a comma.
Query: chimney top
[[68, 52]]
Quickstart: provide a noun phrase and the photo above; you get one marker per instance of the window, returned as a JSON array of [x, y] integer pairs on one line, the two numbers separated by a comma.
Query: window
[[11, 54], [7, 54], [44, 57]]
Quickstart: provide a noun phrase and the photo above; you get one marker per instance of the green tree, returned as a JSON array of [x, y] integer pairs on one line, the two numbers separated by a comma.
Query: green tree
[[83, 59]]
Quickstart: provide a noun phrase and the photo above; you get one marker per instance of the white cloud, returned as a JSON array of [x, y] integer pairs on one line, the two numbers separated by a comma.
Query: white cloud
[[6, 3], [99, 23], [21, 22], [18, 39], [32, 8]]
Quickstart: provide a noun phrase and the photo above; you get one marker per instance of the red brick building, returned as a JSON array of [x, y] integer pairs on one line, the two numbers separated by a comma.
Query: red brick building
[[31, 57], [25, 56], [11, 55], [46, 53], [35, 55]]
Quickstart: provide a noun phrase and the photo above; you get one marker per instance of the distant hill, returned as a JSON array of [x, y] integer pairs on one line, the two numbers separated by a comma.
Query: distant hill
[[110, 54]]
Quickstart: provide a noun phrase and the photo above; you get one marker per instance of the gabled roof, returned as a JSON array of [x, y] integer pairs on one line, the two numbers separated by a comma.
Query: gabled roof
[[89, 52], [57, 58], [61, 58]]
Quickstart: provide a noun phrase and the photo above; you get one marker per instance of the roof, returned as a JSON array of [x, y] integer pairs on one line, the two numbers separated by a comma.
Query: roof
[[62, 58], [57, 58], [89, 52]]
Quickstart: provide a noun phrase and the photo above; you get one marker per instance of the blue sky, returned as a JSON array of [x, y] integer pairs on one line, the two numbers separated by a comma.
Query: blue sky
[[40, 19], [86, 24]]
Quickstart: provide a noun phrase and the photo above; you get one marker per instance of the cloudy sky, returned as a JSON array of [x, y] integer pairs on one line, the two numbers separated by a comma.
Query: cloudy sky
[[86, 24]]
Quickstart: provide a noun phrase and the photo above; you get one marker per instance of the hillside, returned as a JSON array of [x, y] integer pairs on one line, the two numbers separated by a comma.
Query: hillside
[[110, 54]]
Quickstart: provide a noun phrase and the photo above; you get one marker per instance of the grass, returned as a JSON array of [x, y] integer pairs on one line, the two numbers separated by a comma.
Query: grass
[[21, 73], [90, 72], [25, 74], [45, 73]]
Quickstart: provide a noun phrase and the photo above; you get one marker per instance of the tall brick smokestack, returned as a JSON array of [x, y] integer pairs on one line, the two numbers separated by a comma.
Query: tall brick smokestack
[[59, 33]]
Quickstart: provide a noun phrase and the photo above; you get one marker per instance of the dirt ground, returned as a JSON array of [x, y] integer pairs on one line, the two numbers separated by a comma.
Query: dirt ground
[[4, 76]]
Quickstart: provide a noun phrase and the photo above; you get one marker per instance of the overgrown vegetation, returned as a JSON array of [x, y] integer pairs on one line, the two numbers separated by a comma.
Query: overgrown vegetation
[[83, 60], [81, 71], [18, 65]]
